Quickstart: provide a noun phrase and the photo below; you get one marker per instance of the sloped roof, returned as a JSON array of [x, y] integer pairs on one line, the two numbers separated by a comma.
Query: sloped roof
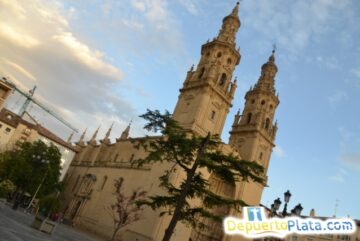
[[12, 119]]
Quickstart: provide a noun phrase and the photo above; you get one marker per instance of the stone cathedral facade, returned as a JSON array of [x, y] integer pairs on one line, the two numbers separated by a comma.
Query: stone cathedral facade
[[203, 105]]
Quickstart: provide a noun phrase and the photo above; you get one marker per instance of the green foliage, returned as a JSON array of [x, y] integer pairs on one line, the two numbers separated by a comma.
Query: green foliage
[[6, 187], [27, 166], [49, 205], [192, 155]]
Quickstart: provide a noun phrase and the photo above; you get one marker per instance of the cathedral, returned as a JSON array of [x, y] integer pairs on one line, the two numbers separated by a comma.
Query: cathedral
[[203, 104]]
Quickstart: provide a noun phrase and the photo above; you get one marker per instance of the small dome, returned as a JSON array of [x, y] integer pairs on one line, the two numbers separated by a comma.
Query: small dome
[[270, 65]]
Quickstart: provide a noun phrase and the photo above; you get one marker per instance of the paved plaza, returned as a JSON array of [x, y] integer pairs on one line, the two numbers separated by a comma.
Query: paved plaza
[[15, 226]]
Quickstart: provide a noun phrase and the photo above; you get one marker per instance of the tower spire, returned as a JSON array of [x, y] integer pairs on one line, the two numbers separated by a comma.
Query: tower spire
[[83, 136], [230, 26], [106, 139], [70, 137], [107, 135], [93, 138], [266, 81], [126, 132], [81, 142], [235, 11]]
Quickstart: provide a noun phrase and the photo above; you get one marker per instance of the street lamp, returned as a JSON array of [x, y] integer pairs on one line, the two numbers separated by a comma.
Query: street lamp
[[42, 180], [297, 210], [287, 196], [275, 206]]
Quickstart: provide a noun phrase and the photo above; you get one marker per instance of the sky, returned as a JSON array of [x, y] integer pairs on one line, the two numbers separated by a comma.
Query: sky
[[97, 62]]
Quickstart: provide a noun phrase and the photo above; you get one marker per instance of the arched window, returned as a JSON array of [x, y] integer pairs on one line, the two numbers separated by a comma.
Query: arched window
[[212, 115], [249, 118], [261, 155], [267, 123], [222, 79], [201, 72]]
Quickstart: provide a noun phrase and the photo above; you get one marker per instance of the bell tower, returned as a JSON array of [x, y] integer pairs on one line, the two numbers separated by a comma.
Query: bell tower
[[253, 132], [208, 90]]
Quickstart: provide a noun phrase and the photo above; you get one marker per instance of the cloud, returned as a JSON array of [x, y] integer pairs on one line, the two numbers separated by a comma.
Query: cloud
[[349, 148], [355, 77], [133, 24], [74, 79], [20, 39], [19, 69], [294, 25], [138, 5], [338, 96], [351, 160], [355, 72], [330, 63], [339, 176], [92, 58], [278, 151], [13, 7], [190, 6]]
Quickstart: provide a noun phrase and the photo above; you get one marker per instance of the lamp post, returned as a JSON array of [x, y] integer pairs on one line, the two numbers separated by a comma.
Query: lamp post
[[276, 205], [42, 180], [287, 196], [297, 210]]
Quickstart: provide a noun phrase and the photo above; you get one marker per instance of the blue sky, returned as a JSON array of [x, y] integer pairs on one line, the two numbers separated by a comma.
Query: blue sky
[[96, 62]]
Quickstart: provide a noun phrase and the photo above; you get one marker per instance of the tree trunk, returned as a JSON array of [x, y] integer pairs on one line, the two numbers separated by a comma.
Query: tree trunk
[[114, 234], [190, 174]]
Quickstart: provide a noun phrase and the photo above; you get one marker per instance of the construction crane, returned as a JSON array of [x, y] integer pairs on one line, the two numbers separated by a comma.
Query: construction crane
[[30, 99]]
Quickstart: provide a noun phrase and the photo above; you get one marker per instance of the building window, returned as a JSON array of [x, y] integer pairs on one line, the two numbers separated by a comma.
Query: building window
[[263, 102], [7, 130], [222, 79], [229, 61], [202, 71], [267, 123], [212, 115], [261, 155], [219, 54], [249, 118]]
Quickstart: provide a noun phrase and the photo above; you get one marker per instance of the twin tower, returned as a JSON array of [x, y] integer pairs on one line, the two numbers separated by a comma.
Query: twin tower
[[208, 90]]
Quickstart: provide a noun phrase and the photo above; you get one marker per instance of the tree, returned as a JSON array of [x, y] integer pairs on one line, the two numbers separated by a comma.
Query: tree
[[6, 187], [192, 155], [30, 165], [49, 204], [125, 210]]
